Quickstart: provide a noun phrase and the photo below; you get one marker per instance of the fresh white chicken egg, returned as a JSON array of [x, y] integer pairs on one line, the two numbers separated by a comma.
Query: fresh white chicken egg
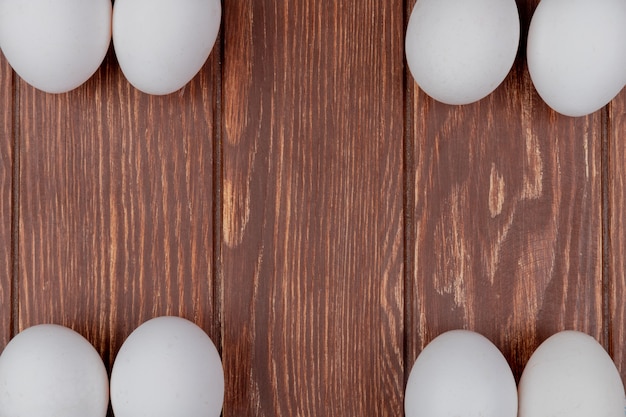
[[459, 51], [55, 45], [167, 367], [570, 374], [162, 44], [50, 370], [461, 373], [576, 53]]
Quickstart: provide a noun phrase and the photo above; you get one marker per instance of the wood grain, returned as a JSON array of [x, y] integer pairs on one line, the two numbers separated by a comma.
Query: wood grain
[[116, 209], [312, 227], [315, 212], [507, 219], [616, 188], [6, 200]]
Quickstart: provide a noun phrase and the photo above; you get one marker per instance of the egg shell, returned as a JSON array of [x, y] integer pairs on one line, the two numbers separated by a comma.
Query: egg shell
[[50, 370], [55, 45], [167, 367], [570, 374], [162, 44], [461, 373], [459, 51], [576, 53]]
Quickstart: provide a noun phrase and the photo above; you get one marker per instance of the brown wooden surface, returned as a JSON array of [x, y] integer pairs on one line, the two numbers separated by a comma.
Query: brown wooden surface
[[507, 219], [312, 255], [616, 213], [6, 200], [308, 206], [116, 206]]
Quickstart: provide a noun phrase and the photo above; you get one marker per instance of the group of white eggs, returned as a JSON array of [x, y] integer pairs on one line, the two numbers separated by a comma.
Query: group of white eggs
[[462, 373], [460, 51], [167, 367], [58, 45]]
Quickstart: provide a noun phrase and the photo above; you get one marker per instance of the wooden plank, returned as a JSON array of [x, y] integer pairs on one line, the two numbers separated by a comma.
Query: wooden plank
[[6, 200], [617, 229], [508, 219], [312, 208], [116, 207]]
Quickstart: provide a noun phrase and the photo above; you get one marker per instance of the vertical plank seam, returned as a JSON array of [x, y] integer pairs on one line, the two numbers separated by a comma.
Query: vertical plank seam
[[408, 205], [606, 226], [217, 190], [15, 212]]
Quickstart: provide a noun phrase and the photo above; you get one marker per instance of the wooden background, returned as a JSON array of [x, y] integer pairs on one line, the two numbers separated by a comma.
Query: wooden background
[[309, 207]]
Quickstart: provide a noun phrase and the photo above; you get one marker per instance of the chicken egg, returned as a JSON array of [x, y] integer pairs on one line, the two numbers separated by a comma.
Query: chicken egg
[[50, 370], [55, 45], [167, 367], [461, 373], [459, 51], [162, 44], [576, 53], [570, 374]]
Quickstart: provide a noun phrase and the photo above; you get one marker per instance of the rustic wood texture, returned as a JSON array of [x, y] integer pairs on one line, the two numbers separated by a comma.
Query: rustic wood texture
[[616, 207], [315, 212], [312, 228], [507, 219], [116, 207], [6, 200]]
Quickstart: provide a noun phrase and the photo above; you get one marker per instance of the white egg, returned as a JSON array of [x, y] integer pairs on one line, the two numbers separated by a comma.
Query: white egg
[[461, 373], [577, 53], [162, 44], [55, 45], [459, 51], [167, 367], [49, 370], [570, 374]]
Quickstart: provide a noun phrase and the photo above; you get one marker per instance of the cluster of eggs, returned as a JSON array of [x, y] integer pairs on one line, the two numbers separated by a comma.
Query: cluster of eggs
[[160, 45], [168, 366], [462, 373], [459, 51]]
